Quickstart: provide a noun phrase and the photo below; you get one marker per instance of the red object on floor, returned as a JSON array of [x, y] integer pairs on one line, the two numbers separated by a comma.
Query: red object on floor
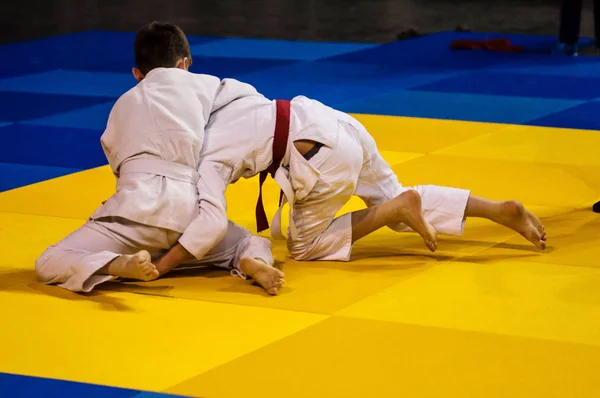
[[491, 45]]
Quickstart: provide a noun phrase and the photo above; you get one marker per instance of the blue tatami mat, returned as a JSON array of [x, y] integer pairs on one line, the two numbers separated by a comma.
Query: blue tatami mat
[[275, 49], [585, 116], [78, 148], [14, 386], [224, 67], [518, 85], [433, 51], [110, 52], [14, 175], [333, 93], [64, 88], [94, 118], [336, 83], [69, 82], [478, 108], [558, 66], [20, 106]]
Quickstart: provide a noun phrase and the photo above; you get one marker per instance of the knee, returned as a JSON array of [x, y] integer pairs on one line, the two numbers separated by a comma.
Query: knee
[[255, 246], [300, 252], [43, 265], [300, 256], [332, 244], [260, 243]]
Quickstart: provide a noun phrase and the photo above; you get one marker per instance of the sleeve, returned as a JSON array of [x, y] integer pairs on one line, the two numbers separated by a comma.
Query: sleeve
[[210, 226], [207, 90]]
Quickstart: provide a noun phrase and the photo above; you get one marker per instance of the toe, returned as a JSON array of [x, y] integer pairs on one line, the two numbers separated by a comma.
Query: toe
[[432, 246], [540, 243]]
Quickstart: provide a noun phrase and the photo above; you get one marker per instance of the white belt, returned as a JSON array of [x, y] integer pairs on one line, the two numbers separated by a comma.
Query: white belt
[[282, 179], [161, 167]]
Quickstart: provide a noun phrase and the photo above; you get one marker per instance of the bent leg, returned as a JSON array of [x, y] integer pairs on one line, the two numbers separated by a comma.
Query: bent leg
[[442, 207], [320, 235], [446, 209], [404, 209], [352, 167], [80, 261], [246, 255], [355, 166]]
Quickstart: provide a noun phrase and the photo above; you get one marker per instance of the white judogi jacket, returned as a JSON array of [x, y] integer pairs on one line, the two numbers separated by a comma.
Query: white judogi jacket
[[238, 144], [153, 140]]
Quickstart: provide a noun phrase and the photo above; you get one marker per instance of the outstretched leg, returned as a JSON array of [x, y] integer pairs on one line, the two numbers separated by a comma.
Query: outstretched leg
[[447, 209], [511, 214], [444, 208]]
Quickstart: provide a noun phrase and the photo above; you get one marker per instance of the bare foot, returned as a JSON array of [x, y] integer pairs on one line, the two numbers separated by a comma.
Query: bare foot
[[410, 213], [270, 278], [514, 215], [134, 266]]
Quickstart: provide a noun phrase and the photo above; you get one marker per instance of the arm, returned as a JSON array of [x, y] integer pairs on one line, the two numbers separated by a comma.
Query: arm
[[210, 226]]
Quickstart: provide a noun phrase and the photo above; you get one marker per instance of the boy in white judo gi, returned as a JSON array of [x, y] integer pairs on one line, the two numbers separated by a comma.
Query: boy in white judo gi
[[320, 158], [152, 141]]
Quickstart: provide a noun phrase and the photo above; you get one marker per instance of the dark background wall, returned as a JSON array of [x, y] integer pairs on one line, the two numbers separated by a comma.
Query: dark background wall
[[333, 20]]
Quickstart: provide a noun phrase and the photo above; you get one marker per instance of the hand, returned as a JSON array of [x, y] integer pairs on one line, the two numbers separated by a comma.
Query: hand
[[162, 265], [176, 256]]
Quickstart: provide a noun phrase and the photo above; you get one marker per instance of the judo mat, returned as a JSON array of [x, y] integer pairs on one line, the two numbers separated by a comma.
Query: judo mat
[[487, 315]]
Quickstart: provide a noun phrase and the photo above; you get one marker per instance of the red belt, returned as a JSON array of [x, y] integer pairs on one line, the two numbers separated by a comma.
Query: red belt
[[280, 140]]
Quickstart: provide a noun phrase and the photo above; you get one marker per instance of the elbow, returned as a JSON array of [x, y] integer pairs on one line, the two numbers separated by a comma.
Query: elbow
[[203, 235]]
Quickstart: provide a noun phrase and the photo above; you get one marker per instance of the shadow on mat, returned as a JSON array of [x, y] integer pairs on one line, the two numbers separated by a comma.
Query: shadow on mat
[[186, 278], [192, 277], [24, 281], [447, 251], [165, 285], [405, 256]]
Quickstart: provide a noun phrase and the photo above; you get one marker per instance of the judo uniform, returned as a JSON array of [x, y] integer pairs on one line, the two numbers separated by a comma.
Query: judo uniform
[[239, 141], [152, 141]]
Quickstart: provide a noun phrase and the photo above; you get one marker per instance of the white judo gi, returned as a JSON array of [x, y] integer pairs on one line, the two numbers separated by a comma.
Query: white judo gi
[[239, 139], [152, 141]]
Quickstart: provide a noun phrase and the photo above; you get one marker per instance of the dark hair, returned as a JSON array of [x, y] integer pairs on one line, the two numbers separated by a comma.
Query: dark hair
[[160, 45]]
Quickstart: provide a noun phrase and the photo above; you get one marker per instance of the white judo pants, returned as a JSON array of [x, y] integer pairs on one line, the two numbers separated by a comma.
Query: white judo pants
[[73, 262], [355, 167]]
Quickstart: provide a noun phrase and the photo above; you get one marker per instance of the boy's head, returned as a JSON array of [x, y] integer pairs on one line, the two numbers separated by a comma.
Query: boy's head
[[160, 45]]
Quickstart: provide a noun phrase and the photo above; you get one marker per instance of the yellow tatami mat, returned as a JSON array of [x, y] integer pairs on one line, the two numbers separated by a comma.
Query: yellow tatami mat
[[347, 357], [487, 315]]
